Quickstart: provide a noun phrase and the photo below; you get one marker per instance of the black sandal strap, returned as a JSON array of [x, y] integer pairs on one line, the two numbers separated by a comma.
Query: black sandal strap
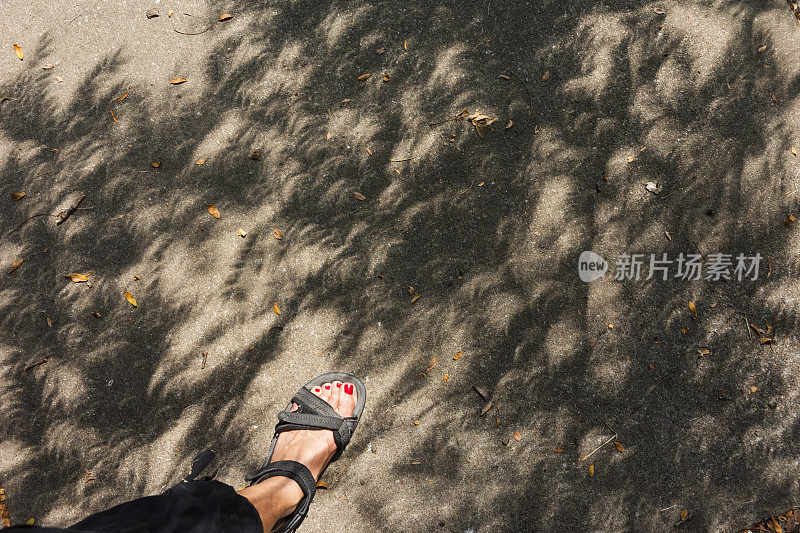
[[300, 474]]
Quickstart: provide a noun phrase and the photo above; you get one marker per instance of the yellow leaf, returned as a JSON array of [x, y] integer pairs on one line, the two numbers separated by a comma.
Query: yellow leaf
[[432, 364], [510, 123], [456, 356], [275, 308], [77, 278], [619, 446], [223, 18], [15, 265], [415, 298], [322, 485], [17, 195], [684, 515], [517, 436], [753, 388], [213, 210], [178, 81], [546, 75], [200, 162], [405, 45], [130, 298], [446, 377], [121, 98], [155, 164], [692, 307], [114, 116], [359, 196], [364, 76], [416, 422], [18, 50], [277, 233], [242, 233], [387, 77], [794, 151], [29, 521], [684, 330], [591, 470], [789, 220]]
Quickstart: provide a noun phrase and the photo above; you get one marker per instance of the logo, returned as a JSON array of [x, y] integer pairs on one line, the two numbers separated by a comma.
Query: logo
[[591, 266]]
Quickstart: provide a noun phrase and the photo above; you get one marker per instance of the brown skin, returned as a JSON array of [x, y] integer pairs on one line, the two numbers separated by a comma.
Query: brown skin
[[276, 497]]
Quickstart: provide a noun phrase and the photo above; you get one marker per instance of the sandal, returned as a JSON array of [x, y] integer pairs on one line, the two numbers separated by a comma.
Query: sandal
[[312, 413]]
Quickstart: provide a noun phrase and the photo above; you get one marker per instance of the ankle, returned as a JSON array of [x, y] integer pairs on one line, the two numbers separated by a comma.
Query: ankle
[[273, 499]]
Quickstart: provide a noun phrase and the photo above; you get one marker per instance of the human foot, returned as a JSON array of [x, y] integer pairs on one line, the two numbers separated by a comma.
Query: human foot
[[276, 497]]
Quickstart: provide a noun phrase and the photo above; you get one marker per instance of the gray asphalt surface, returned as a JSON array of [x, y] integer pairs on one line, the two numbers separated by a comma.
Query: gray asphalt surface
[[597, 100]]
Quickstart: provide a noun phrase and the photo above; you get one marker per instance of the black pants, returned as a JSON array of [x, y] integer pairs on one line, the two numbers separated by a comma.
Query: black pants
[[190, 507]]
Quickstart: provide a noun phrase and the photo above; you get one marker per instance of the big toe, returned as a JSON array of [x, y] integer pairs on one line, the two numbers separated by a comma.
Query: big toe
[[347, 400]]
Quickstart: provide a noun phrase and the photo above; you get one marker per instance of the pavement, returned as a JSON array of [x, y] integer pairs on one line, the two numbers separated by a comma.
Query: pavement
[[687, 416]]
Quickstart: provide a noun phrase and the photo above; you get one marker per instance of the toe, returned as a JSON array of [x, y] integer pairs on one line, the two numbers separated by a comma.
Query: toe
[[347, 400], [294, 407], [336, 392], [317, 390], [326, 392]]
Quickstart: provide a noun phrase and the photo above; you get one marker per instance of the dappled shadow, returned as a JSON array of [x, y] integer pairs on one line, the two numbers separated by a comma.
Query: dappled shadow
[[486, 229]]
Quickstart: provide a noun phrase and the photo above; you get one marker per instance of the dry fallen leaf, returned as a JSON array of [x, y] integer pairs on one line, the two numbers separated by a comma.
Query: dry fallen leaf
[[328, 136], [155, 164], [77, 278], [415, 298], [432, 364], [47, 66], [178, 81], [651, 186], [200, 162], [762, 48], [114, 116], [49, 321], [379, 51], [504, 77], [591, 470], [213, 210], [486, 408], [3, 99], [18, 50], [242, 233], [794, 151], [151, 13], [387, 76], [619, 446], [517, 436], [121, 98], [753, 388], [224, 17], [130, 298], [684, 330], [416, 422], [275, 308], [789, 220], [510, 123], [364, 76], [506, 442], [560, 449], [17, 195], [692, 308], [15, 265], [277, 233], [546, 75], [405, 45], [684, 515], [322, 485], [767, 340], [359, 196], [445, 377], [256, 156], [457, 356], [651, 366], [30, 522], [368, 150], [658, 10]]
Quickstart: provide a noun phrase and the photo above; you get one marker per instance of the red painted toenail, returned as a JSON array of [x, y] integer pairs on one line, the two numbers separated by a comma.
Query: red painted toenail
[[317, 389], [348, 388], [338, 385], [327, 387]]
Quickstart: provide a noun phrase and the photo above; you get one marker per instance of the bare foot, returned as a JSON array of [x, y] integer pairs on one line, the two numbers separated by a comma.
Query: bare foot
[[313, 448]]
